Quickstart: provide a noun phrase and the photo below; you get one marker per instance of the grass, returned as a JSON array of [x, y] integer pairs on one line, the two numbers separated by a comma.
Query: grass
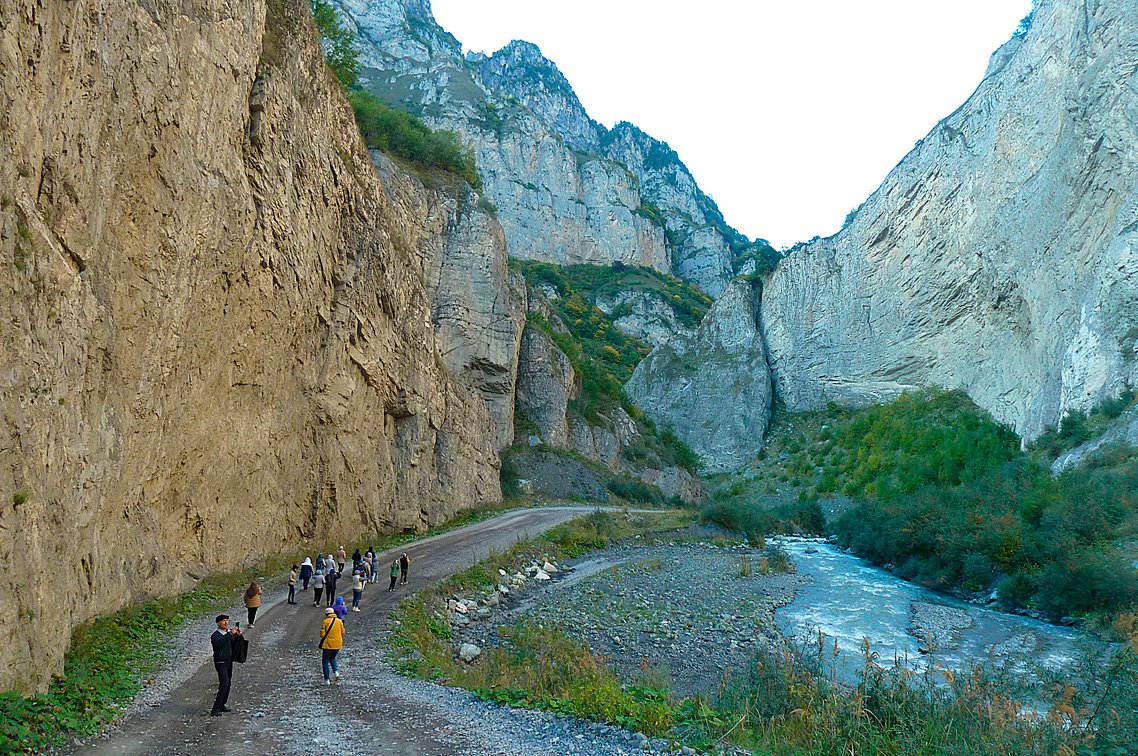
[[535, 666], [602, 355], [401, 134], [943, 494], [785, 702], [105, 667]]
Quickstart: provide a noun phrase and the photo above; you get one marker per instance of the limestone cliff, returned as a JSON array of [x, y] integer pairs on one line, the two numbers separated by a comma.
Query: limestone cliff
[[216, 340], [568, 190], [477, 307], [713, 388], [555, 204], [1001, 256]]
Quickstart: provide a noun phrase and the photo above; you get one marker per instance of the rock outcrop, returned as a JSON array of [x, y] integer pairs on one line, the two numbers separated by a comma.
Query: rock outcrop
[[567, 189], [478, 307], [1123, 433], [713, 388], [215, 342], [546, 384], [1001, 256], [645, 315]]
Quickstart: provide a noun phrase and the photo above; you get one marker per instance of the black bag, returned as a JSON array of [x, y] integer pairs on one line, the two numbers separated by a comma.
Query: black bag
[[240, 649]]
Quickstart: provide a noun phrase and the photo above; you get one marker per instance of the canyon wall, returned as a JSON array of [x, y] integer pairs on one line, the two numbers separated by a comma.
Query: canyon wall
[[1000, 256], [216, 336]]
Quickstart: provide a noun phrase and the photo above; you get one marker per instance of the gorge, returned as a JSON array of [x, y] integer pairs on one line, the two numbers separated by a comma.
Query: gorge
[[231, 330]]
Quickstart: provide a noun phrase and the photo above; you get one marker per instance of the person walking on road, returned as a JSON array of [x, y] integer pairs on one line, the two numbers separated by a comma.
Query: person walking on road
[[320, 563], [330, 584], [394, 574], [305, 572], [341, 558], [292, 576], [317, 587], [340, 608], [374, 558], [331, 641], [223, 641], [404, 568], [252, 601], [358, 583]]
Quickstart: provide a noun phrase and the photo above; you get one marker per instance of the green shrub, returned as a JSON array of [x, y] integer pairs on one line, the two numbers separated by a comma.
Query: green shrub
[[403, 135], [740, 514], [602, 356], [1077, 428], [1048, 542], [635, 490], [339, 44]]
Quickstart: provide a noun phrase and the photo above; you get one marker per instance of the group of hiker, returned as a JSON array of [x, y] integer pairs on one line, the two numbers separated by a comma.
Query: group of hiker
[[229, 645]]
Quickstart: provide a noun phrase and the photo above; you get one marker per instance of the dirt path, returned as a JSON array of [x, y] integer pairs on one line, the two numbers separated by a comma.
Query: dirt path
[[281, 704]]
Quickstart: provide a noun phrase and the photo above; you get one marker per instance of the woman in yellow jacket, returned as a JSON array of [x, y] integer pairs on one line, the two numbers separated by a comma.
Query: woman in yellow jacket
[[331, 641]]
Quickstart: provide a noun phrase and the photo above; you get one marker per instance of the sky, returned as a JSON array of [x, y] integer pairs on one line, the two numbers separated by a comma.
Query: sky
[[789, 114]]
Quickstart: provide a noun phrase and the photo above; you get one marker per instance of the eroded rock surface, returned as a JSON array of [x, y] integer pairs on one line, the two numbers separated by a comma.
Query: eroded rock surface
[[1001, 256], [215, 339], [713, 388], [567, 189]]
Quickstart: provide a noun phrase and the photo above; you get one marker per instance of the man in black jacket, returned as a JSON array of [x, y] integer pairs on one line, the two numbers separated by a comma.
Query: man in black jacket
[[330, 585], [223, 643]]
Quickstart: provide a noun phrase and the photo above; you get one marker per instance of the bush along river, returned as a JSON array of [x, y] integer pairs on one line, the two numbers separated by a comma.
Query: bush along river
[[849, 601]]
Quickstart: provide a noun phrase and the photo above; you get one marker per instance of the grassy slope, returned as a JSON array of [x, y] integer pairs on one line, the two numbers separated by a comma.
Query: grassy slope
[[604, 357]]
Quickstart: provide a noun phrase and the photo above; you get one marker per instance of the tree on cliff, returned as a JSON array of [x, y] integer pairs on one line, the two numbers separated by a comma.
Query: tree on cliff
[[339, 44]]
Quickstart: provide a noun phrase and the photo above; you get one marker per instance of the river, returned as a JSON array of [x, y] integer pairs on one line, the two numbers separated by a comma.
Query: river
[[849, 600]]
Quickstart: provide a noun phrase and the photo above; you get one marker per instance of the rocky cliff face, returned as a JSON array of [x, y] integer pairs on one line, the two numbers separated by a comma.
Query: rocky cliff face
[[555, 204], [1001, 256], [713, 388], [568, 190], [216, 339], [478, 307]]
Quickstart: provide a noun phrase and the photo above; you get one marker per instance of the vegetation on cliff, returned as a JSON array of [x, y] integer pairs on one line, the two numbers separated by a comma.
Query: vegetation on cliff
[[383, 127], [601, 353]]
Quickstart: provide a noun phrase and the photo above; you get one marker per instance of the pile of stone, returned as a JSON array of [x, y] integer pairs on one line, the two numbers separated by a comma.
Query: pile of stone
[[463, 613]]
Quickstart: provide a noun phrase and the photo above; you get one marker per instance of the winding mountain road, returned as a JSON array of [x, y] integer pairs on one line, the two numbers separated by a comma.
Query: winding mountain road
[[281, 704]]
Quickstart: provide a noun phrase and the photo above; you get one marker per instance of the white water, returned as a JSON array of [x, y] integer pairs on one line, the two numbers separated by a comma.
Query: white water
[[850, 599]]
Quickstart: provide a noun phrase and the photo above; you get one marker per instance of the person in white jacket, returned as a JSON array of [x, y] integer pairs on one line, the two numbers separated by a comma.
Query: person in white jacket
[[358, 583]]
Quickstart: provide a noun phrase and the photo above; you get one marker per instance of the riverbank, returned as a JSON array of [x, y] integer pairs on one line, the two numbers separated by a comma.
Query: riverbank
[[677, 640]]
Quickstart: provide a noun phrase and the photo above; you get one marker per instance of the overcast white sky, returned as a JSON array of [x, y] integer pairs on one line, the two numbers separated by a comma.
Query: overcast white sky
[[788, 113]]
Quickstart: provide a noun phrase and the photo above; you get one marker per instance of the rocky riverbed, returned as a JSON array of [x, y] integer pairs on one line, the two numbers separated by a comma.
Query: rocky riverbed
[[678, 612]]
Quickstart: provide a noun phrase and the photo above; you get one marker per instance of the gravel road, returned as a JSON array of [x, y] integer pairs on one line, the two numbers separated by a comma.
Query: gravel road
[[282, 706]]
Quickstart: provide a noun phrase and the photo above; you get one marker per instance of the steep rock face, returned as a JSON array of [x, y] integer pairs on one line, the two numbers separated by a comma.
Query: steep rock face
[[644, 315], [1001, 256], [714, 388], [568, 190], [555, 204], [478, 308], [215, 340], [519, 70], [702, 246], [546, 383]]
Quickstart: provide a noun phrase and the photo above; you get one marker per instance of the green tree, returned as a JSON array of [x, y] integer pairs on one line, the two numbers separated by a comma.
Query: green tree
[[339, 45]]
